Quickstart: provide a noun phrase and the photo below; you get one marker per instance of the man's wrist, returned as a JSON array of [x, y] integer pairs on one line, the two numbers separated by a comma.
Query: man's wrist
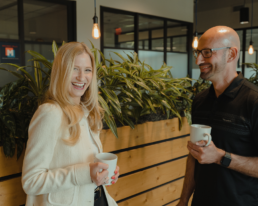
[[221, 154]]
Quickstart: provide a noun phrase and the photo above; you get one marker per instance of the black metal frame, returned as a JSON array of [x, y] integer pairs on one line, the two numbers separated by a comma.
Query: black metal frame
[[71, 25], [136, 33]]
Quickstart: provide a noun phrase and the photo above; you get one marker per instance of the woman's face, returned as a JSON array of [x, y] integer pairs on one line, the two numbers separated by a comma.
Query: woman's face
[[81, 76]]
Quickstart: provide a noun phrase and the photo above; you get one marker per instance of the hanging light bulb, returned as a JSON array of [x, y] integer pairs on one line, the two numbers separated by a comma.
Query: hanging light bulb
[[195, 42], [251, 48], [95, 29]]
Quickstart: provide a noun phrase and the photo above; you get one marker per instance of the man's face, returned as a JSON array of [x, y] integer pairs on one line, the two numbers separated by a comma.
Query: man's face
[[214, 66]]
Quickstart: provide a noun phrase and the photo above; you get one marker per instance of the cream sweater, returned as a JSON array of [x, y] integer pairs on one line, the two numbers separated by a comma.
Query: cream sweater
[[55, 173]]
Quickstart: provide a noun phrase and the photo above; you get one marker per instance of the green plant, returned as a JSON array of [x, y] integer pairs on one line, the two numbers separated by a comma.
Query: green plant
[[128, 90], [139, 89], [254, 77], [199, 86]]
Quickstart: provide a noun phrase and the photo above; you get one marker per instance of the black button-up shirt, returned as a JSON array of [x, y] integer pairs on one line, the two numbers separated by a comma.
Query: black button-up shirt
[[233, 117]]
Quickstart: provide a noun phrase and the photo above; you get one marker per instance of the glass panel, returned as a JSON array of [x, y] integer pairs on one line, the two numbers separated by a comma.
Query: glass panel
[[176, 31], [153, 58], [9, 20], [146, 44], [178, 34], [251, 58], [7, 77], [128, 44], [140, 44], [118, 30], [144, 37], [151, 28], [109, 53], [147, 23], [44, 49], [157, 44], [178, 61], [179, 44], [44, 21]]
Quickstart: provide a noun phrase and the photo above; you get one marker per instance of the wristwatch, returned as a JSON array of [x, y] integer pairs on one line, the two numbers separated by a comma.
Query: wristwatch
[[226, 159]]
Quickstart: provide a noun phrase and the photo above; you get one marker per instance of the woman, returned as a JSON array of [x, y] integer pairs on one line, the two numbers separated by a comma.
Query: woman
[[58, 167]]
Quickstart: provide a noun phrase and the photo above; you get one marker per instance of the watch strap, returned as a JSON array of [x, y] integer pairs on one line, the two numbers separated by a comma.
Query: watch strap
[[226, 160]]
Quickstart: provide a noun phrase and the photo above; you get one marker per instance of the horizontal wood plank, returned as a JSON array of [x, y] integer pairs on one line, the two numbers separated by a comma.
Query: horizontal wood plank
[[143, 134], [9, 166], [11, 192], [177, 201], [150, 155], [147, 179], [173, 203], [157, 197]]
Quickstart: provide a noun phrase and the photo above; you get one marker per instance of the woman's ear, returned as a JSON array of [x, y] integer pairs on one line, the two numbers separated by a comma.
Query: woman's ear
[[232, 54]]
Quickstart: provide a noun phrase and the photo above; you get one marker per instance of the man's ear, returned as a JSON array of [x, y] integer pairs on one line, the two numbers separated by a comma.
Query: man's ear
[[232, 54]]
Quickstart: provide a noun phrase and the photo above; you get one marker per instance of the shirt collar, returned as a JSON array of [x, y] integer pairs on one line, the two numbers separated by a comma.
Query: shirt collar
[[232, 90]]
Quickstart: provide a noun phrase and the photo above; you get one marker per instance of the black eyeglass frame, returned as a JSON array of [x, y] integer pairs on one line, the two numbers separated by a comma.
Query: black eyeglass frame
[[211, 50]]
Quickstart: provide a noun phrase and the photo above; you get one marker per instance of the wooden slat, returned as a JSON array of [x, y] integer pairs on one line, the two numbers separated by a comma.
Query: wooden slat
[[147, 179], [11, 192], [173, 203], [146, 156], [142, 134], [176, 202], [157, 197], [9, 166]]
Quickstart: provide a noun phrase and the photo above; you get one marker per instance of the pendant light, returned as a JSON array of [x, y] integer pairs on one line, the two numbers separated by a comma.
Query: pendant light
[[95, 29], [251, 49], [244, 15], [195, 40]]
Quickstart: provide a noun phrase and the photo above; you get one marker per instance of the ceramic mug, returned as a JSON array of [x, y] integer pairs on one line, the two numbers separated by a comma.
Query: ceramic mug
[[111, 160], [200, 132]]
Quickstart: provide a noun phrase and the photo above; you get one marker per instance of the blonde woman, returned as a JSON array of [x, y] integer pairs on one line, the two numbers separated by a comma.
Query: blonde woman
[[59, 166]]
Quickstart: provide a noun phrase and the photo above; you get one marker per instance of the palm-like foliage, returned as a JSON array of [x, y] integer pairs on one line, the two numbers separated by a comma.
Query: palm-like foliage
[[254, 77], [128, 90]]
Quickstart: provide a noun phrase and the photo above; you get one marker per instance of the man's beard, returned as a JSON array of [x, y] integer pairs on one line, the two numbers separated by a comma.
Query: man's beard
[[207, 75]]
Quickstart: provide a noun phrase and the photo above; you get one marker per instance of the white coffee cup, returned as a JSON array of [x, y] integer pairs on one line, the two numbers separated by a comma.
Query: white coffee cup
[[111, 160], [200, 132]]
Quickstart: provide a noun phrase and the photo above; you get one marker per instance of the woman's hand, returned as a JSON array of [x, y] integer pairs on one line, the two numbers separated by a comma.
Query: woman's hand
[[115, 177], [98, 177]]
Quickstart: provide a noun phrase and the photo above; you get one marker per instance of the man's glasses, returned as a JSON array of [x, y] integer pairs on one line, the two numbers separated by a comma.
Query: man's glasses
[[207, 53]]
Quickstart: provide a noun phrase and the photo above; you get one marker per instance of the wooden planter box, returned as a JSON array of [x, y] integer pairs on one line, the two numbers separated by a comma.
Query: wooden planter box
[[152, 160]]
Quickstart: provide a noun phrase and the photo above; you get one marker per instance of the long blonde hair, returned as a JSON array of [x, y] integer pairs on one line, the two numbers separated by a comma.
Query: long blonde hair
[[58, 91]]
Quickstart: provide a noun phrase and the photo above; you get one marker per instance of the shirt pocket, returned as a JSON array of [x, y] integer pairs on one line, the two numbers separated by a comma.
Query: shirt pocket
[[63, 197]]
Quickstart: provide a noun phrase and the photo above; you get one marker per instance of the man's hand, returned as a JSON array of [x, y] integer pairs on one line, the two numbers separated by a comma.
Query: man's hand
[[98, 177], [205, 155]]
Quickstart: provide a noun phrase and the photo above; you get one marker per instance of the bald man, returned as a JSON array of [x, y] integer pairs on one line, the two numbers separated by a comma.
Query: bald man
[[225, 172]]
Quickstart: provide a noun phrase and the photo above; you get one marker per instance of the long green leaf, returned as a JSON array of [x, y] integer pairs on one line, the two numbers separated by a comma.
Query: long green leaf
[[54, 48], [104, 105], [111, 124]]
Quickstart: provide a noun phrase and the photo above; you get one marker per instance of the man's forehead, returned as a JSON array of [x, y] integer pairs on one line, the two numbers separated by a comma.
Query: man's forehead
[[209, 42]]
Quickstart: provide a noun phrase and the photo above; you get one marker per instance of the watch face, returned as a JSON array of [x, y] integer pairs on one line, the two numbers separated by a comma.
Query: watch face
[[225, 161]]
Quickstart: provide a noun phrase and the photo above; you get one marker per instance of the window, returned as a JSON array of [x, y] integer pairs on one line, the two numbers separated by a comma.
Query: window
[[155, 43]]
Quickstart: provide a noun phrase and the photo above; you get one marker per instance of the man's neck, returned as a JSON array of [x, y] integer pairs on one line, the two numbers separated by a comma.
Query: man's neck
[[222, 83]]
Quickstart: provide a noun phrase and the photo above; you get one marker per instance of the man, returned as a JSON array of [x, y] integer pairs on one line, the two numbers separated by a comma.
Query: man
[[224, 173]]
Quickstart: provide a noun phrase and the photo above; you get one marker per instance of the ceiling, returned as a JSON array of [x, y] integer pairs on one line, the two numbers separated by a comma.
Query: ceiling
[[204, 5]]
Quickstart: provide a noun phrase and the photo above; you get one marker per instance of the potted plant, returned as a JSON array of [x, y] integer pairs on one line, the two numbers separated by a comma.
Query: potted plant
[[129, 90]]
